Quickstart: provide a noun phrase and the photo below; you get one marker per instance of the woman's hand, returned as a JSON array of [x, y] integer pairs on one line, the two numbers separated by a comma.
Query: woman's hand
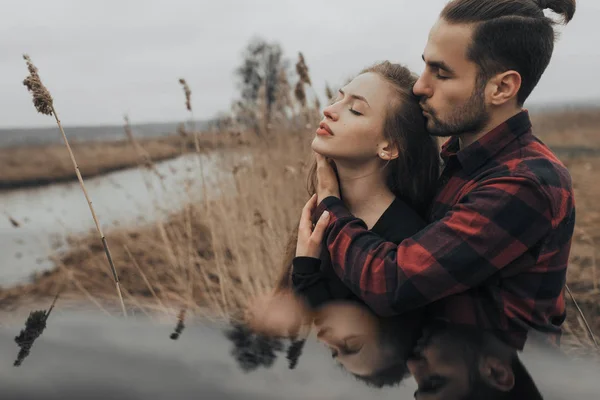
[[327, 183], [310, 241]]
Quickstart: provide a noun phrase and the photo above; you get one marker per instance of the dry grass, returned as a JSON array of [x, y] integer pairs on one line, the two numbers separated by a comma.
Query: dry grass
[[230, 247], [579, 128]]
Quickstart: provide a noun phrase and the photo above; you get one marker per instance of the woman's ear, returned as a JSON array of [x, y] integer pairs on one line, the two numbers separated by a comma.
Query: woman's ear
[[388, 151], [497, 373]]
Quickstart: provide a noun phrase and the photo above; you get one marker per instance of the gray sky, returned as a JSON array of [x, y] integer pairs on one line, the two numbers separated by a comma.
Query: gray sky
[[103, 59]]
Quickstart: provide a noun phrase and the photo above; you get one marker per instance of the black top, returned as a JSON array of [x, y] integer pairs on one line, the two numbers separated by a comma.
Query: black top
[[315, 279]]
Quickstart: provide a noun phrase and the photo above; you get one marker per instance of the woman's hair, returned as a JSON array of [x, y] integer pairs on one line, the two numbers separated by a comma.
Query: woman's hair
[[412, 176]]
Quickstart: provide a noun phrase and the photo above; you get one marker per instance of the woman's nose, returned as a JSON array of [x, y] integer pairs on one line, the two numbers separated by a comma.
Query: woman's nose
[[330, 113]]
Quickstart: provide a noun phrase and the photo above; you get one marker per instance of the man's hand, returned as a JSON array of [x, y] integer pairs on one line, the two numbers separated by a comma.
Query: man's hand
[[327, 183], [310, 241]]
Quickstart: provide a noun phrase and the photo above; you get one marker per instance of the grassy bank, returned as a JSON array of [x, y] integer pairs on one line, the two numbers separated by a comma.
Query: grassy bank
[[30, 166]]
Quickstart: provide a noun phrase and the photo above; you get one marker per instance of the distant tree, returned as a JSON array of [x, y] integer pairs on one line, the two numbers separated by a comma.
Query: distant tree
[[260, 75]]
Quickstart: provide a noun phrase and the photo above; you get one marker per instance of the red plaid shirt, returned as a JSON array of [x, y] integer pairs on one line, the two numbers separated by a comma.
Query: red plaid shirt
[[496, 251]]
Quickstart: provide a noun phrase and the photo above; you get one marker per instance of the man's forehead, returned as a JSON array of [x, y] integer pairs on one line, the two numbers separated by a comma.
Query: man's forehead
[[448, 42]]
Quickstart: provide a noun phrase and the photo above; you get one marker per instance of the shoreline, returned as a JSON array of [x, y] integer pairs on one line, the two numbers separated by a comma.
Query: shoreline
[[26, 167]]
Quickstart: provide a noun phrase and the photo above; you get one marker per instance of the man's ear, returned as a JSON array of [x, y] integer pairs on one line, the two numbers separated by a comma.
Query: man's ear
[[497, 373], [504, 87]]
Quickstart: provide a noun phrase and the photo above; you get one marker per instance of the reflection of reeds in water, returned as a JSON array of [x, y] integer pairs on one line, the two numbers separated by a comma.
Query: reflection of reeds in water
[[252, 350], [180, 325], [34, 327], [294, 352], [43, 103]]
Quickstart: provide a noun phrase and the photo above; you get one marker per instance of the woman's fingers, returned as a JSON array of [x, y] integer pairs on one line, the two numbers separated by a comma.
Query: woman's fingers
[[306, 218], [319, 231]]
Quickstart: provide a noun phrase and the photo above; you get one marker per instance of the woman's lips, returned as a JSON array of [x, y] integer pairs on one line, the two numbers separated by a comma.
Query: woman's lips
[[324, 130]]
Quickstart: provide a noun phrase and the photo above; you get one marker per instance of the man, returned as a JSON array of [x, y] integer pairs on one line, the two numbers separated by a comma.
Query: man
[[496, 251], [459, 363]]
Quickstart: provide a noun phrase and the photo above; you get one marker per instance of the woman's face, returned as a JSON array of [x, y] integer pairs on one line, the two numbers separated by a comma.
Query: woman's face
[[352, 127], [351, 332]]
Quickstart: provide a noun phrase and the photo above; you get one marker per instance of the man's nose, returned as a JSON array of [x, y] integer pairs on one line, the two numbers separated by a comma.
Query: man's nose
[[414, 365], [421, 88]]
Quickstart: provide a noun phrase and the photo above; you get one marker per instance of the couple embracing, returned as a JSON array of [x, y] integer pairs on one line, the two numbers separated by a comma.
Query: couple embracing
[[403, 257]]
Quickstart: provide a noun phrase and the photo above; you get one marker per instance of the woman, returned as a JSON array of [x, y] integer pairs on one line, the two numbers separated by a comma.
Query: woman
[[387, 166]]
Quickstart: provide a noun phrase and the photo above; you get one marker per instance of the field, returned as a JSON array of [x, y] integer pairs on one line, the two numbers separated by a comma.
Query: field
[[212, 255]]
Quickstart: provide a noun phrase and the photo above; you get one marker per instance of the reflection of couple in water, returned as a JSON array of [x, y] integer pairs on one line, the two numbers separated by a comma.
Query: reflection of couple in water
[[402, 269]]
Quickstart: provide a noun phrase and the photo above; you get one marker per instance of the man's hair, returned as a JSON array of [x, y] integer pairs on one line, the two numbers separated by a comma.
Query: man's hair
[[474, 343], [510, 35], [392, 375], [524, 388], [399, 335]]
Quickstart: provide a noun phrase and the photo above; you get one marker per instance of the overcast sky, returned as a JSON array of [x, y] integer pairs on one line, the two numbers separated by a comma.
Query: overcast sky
[[101, 59]]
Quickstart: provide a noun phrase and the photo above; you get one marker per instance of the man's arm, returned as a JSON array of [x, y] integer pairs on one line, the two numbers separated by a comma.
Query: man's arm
[[489, 228]]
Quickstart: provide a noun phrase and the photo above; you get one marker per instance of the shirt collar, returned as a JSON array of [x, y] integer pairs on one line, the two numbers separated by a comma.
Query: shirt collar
[[489, 145]]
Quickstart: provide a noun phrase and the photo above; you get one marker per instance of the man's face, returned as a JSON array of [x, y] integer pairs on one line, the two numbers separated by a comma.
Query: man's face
[[452, 98], [440, 370]]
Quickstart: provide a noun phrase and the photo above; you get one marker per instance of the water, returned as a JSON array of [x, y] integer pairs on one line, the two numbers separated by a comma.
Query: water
[[47, 214], [97, 357]]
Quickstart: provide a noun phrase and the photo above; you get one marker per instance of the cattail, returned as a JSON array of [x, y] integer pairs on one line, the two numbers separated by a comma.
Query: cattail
[[188, 94], [302, 70], [294, 352], [252, 350], [34, 327], [42, 100], [300, 93], [180, 325]]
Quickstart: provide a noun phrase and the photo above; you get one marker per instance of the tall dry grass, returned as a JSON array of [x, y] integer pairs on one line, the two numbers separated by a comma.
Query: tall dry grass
[[227, 245]]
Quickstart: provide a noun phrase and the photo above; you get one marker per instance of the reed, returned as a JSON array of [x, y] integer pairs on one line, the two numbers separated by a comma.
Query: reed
[[44, 104]]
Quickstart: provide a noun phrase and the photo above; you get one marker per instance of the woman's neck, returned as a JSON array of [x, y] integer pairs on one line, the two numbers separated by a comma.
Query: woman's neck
[[364, 190]]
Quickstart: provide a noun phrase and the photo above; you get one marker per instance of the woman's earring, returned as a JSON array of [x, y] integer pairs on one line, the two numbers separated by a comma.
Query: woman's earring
[[382, 154]]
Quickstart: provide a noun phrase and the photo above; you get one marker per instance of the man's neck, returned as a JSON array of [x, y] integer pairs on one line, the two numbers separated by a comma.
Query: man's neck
[[364, 190], [497, 118]]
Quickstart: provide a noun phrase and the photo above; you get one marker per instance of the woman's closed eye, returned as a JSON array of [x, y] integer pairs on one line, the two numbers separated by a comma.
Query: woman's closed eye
[[354, 112]]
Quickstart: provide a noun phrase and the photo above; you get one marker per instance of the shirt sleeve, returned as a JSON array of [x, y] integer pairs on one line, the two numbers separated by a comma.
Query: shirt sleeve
[[495, 223], [308, 281]]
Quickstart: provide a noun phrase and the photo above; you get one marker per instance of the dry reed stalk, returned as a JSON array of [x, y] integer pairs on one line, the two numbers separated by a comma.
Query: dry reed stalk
[[148, 285], [149, 187], [84, 291], [584, 320], [188, 104], [144, 158], [43, 103]]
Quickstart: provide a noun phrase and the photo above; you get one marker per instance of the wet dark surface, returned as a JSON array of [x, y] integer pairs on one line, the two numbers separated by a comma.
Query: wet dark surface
[[85, 357]]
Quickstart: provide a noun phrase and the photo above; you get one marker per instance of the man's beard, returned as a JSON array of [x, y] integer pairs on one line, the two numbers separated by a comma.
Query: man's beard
[[471, 117]]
